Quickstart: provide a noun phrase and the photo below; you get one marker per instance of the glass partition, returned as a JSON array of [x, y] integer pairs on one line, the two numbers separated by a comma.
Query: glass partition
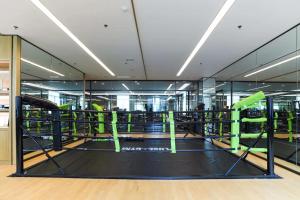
[[273, 69], [143, 95], [45, 76]]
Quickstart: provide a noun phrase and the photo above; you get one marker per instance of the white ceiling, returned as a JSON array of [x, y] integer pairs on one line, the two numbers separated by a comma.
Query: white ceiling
[[169, 30]]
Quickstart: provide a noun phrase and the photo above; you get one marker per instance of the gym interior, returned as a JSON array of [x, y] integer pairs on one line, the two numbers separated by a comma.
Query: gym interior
[[138, 99]]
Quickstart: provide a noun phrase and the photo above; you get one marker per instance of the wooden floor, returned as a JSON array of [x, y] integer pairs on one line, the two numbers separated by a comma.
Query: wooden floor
[[63, 189], [287, 188]]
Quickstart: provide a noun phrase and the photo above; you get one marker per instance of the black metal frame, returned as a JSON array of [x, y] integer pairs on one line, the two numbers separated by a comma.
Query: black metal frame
[[57, 146]]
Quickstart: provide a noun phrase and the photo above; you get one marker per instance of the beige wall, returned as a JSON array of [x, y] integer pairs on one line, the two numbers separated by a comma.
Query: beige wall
[[10, 51], [5, 48], [5, 133]]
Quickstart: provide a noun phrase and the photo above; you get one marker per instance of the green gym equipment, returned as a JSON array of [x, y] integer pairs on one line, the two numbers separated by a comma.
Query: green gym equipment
[[220, 116], [246, 103], [290, 119], [100, 118], [69, 115]]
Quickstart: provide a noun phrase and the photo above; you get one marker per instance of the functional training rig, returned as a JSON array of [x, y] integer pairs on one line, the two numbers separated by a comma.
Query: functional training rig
[[102, 126]]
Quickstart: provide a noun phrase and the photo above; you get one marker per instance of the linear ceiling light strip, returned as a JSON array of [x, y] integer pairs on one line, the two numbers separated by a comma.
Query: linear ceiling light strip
[[40, 86], [125, 86], [40, 66], [271, 66], [276, 93], [38, 4], [207, 33], [265, 86], [184, 86], [168, 88]]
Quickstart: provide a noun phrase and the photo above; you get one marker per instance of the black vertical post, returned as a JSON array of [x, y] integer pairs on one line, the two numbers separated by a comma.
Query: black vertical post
[[188, 100], [203, 123], [270, 134], [90, 101], [57, 141], [19, 137], [70, 120], [231, 93]]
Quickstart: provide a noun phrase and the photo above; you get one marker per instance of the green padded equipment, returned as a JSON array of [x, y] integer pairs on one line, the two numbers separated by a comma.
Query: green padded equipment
[[249, 102], [115, 131], [129, 123], [164, 122], [172, 132], [290, 125], [100, 116], [220, 116]]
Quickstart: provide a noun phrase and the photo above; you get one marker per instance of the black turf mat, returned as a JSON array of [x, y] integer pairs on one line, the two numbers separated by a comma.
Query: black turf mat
[[29, 145], [148, 165], [289, 151]]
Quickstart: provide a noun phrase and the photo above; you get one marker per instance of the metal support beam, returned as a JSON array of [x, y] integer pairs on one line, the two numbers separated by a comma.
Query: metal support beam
[[19, 137]]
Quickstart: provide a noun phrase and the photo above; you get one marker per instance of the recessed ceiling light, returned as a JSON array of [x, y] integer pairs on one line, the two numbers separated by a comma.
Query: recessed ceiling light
[[124, 8], [38, 4], [40, 66], [207, 33]]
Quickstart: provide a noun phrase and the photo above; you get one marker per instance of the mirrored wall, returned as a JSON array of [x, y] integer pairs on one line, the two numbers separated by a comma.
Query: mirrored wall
[[45, 76], [274, 69]]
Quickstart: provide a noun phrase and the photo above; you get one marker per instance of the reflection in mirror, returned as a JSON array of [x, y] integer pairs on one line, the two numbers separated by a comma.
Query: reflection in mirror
[[44, 76], [274, 70], [47, 77], [143, 95]]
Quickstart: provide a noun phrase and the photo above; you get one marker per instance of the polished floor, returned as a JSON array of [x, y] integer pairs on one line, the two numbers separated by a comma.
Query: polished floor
[[15, 188], [58, 188]]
